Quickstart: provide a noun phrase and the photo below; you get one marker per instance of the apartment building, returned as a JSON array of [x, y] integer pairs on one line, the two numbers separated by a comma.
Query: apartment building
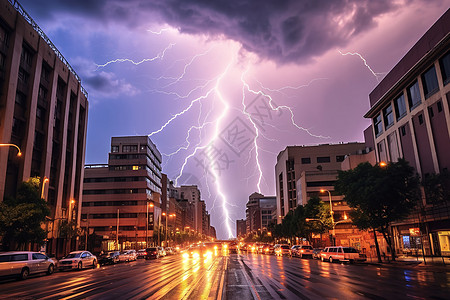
[[302, 171], [122, 200], [259, 212], [410, 117], [43, 112]]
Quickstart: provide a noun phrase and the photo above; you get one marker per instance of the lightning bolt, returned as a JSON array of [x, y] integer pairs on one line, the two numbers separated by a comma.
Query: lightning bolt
[[377, 75], [120, 60], [160, 31]]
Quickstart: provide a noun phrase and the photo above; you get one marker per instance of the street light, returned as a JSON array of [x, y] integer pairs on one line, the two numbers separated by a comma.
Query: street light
[[43, 185], [166, 215], [12, 145], [383, 164], [331, 212], [146, 232]]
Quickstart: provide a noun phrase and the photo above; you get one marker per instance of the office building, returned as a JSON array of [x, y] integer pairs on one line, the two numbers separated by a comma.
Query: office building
[[410, 117], [44, 112], [122, 200], [259, 212]]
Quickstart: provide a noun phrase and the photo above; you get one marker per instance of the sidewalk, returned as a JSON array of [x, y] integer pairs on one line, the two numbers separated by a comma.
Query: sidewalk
[[430, 263]]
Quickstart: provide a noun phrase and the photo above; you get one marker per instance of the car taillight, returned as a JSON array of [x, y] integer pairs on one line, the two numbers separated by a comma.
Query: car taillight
[[301, 251]]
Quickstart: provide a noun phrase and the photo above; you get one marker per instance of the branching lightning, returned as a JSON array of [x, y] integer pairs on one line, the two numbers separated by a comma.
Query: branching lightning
[[377, 75], [120, 60]]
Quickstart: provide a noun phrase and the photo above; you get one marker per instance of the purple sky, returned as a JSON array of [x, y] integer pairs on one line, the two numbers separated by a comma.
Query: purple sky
[[223, 86]]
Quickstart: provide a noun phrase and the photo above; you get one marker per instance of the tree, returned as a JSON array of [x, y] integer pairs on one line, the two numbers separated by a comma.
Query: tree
[[379, 196], [21, 217]]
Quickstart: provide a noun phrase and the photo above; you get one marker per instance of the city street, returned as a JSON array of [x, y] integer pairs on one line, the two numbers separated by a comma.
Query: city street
[[235, 276]]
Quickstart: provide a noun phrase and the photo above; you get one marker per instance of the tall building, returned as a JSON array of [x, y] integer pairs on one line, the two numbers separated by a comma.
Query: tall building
[[43, 111], [410, 117], [302, 171], [241, 228], [122, 200], [191, 193], [259, 212]]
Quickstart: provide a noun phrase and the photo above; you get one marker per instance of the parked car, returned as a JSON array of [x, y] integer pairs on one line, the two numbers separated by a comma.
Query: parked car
[[128, 255], [161, 251], [281, 250], [304, 251], [169, 251], [109, 258], [132, 254], [340, 253], [23, 263], [151, 253], [78, 260], [316, 253], [141, 253]]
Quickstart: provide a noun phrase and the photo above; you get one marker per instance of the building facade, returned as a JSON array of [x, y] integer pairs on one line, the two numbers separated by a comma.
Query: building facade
[[241, 228], [122, 200], [43, 111], [302, 171], [259, 212], [410, 117]]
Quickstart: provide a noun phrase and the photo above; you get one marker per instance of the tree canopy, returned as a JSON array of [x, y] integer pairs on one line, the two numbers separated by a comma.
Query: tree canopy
[[379, 195], [21, 217]]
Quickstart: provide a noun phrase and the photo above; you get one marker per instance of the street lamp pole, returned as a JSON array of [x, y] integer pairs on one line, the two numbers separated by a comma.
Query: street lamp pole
[[331, 212], [149, 204], [43, 185], [12, 145]]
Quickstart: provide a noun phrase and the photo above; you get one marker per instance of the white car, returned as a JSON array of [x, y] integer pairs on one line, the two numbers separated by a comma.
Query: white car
[[343, 254], [128, 255], [24, 263], [78, 260]]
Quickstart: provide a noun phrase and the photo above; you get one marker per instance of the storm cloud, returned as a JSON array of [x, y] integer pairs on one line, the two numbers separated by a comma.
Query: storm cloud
[[284, 30]]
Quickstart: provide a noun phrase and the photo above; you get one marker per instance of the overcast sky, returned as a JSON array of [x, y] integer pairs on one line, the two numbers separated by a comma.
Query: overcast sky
[[223, 86]]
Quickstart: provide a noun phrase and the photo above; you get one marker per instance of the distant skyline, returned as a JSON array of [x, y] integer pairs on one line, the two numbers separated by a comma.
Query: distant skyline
[[203, 79]]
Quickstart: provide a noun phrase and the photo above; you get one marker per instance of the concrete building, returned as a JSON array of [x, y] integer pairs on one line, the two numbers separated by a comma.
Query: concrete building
[[259, 212], [410, 117], [192, 194], [241, 228], [122, 200], [302, 171], [43, 111]]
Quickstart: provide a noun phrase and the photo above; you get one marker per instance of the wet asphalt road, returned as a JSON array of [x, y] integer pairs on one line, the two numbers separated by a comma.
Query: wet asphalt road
[[234, 276]]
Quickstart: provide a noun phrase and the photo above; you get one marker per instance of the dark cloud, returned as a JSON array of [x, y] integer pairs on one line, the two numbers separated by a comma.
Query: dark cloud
[[282, 30]]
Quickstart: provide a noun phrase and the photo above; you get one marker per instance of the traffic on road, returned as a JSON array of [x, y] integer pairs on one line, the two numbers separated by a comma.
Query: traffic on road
[[221, 271]]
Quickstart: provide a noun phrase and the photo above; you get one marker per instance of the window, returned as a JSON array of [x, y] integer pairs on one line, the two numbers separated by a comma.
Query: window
[[306, 160], [403, 130], [400, 107], [323, 159], [439, 106], [430, 111], [388, 116], [430, 82], [129, 148], [114, 149], [420, 119], [340, 158], [414, 95], [445, 68], [39, 256], [377, 125], [135, 168]]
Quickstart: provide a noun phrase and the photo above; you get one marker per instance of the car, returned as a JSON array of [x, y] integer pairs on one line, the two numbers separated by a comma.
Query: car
[[132, 254], [282, 249], [141, 253], [268, 249], [316, 253], [78, 260], [304, 251], [161, 251], [109, 258], [151, 253], [21, 264], [294, 250], [128, 255], [341, 253], [169, 251], [197, 252]]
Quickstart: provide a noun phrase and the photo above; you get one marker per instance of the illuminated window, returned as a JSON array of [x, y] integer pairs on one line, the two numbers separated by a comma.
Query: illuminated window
[[135, 168]]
